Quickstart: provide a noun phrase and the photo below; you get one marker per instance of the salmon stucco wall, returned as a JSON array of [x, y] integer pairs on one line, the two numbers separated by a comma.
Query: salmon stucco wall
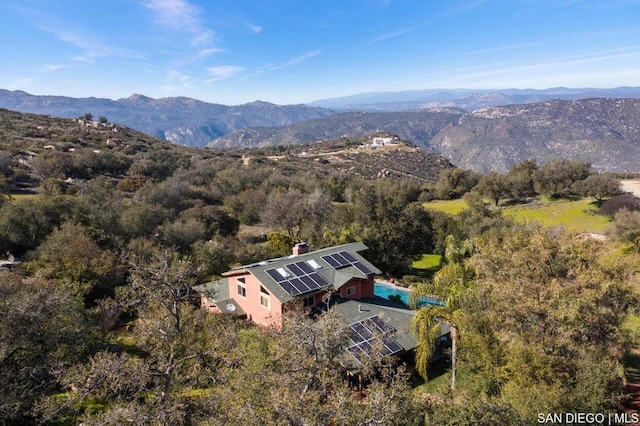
[[251, 303]]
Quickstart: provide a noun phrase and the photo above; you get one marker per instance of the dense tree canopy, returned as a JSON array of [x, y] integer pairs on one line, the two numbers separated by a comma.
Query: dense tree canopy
[[101, 324]]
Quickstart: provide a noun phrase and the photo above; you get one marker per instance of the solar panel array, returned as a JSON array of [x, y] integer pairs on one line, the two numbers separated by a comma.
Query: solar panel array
[[303, 278], [344, 259], [372, 338]]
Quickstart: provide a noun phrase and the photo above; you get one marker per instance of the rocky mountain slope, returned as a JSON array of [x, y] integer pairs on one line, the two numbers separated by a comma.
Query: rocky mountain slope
[[417, 126], [180, 120], [602, 131]]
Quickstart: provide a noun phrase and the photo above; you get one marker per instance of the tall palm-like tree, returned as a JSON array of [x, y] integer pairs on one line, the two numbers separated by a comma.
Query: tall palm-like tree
[[449, 284]]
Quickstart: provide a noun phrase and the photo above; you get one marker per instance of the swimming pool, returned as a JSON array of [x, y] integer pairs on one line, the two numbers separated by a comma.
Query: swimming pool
[[385, 290]]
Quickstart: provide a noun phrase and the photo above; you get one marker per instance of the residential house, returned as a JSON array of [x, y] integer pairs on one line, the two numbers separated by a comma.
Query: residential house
[[381, 141], [338, 278]]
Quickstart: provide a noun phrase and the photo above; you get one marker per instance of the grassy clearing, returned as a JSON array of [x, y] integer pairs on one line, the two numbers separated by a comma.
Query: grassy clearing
[[574, 216], [428, 261], [447, 206], [426, 266]]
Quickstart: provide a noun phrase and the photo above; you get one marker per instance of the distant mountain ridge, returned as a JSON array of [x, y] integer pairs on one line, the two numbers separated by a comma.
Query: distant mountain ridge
[[191, 122], [602, 131], [468, 99], [180, 120]]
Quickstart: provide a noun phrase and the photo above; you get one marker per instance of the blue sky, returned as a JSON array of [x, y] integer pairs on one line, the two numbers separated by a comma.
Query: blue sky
[[296, 51]]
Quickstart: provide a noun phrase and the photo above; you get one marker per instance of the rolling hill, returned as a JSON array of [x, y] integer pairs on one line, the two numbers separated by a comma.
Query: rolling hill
[[183, 121], [66, 152]]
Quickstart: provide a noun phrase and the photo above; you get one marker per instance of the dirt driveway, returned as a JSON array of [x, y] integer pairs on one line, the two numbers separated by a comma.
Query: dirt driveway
[[631, 185]]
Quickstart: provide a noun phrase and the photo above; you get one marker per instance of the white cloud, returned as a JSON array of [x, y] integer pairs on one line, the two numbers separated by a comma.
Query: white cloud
[[175, 13], [54, 67], [208, 52], [256, 29], [223, 72], [91, 47], [182, 16], [177, 78]]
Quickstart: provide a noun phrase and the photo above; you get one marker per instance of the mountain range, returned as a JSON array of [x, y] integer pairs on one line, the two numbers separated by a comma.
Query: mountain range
[[467, 99], [191, 122], [604, 131], [183, 121]]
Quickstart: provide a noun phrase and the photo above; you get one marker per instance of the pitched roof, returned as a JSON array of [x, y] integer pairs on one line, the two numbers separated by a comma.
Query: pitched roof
[[319, 261], [218, 292], [355, 310], [396, 315]]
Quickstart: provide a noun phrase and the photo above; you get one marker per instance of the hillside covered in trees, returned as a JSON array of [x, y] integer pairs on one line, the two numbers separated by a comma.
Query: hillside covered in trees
[[99, 323]]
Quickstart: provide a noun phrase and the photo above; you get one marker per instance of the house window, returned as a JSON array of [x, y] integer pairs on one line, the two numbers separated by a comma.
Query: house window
[[264, 301], [264, 298], [351, 290], [242, 288], [308, 301]]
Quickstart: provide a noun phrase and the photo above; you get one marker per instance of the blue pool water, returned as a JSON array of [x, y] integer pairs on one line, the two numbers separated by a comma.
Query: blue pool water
[[385, 290]]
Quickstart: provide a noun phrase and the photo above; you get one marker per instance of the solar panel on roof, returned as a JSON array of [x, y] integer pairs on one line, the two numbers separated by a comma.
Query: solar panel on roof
[[319, 279], [384, 326], [305, 267], [304, 279], [363, 268], [371, 337], [355, 336], [358, 353], [348, 256], [344, 258], [362, 330], [286, 285], [295, 269], [393, 346], [366, 347], [341, 260], [299, 285], [309, 282], [275, 275], [331, 261]]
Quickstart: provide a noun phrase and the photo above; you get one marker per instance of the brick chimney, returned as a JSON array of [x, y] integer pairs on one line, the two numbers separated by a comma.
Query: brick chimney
[[300, 248]]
